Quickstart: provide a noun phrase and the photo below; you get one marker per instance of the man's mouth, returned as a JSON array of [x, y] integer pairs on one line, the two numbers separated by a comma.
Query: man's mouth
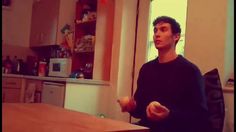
[[157, 41]]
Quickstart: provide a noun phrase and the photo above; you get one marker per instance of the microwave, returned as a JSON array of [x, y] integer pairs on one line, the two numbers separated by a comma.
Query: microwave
[[60, 67]]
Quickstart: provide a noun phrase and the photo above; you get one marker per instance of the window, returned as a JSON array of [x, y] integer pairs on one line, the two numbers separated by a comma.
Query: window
[[173, 8]]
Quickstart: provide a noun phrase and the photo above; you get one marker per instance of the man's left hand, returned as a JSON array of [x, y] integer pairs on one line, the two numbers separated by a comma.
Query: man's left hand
[[156, 112]]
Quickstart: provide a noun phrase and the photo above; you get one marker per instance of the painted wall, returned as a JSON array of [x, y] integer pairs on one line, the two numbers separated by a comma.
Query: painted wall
[[87, 98], [122, 55], [103, 44], [229, 47], [13, 50], [208, 41], [229, 112]]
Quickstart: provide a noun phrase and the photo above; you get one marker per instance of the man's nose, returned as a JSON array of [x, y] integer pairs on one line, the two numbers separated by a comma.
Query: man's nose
[[157, 34]]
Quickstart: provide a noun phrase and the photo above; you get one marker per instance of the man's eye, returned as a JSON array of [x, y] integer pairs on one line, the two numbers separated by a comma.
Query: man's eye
[[163, 29], [155, 30]]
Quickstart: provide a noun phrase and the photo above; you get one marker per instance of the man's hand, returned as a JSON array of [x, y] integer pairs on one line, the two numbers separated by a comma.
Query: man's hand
[[156, 112], [127, 104]]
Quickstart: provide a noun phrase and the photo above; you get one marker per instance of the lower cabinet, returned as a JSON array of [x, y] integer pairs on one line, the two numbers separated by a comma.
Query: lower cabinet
[[33, 91], [12, 90], [10, 95], [27, 90]]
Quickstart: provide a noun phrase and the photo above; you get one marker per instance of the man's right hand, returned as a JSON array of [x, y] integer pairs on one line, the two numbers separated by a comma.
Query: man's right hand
[[127, 104]]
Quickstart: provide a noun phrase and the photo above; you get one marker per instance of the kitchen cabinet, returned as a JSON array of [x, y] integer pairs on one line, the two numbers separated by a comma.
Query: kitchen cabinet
[[12, 90], [85, 28], [10, 95], [48, 18]]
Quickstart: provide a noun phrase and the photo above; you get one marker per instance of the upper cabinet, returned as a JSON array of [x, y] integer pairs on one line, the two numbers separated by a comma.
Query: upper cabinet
[[48, 18]]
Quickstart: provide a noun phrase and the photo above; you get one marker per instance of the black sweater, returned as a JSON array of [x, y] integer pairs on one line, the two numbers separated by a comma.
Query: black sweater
[[179, 86]]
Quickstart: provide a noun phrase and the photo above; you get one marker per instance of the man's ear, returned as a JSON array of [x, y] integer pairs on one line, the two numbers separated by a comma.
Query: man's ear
[[177, 37]]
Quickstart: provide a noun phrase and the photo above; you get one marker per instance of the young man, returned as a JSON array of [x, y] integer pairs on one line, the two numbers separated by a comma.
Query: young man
[[170, 95]]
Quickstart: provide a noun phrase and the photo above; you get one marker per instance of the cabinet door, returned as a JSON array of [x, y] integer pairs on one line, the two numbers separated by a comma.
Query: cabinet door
[[10, 95], [11, 89], [9, 82], [33, 91], [44, 22]]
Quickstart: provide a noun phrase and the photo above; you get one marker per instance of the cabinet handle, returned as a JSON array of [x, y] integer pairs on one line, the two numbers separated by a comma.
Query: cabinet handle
[[11, 83]]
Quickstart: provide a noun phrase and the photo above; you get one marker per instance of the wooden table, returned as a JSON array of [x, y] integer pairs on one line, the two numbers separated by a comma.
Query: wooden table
[[39, 117]]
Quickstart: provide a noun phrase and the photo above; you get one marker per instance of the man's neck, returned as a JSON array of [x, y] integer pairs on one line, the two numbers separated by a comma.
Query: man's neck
[[164, 57]]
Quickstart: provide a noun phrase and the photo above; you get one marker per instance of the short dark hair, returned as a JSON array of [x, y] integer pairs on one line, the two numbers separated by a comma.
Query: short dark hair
[[175, 27]]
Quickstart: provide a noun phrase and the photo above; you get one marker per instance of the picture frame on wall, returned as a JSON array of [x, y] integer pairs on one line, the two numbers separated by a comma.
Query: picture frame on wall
[[6, 3]]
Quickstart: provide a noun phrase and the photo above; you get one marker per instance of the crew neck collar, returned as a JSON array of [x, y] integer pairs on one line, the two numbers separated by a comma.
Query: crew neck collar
[[169, 62]]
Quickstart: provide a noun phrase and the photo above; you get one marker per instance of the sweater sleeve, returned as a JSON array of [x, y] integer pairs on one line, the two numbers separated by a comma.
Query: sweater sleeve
[[139, 112]]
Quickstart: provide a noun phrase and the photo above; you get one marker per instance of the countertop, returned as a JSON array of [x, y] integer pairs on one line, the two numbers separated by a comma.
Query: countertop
[[60, 79]]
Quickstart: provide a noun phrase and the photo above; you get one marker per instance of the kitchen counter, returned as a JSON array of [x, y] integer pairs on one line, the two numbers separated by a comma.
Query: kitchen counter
[[60, 79]]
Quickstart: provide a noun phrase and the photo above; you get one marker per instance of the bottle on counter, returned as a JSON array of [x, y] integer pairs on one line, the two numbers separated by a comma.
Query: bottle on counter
[[14, 65], [88, 69], [20, 67], [35, 69], [7, 65], [42, 68]]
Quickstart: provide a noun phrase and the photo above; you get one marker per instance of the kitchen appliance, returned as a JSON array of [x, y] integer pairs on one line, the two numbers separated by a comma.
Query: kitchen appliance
[[60, 67], [53, 93]]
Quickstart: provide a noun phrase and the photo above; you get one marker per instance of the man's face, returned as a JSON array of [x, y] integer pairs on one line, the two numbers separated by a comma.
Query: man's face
[[163, 36]]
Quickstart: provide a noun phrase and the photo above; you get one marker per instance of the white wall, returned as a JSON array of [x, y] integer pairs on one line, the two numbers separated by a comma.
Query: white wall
[[206, 42], [16, 22], [142, 38], [122, 55], [229, 111], [13, 50], [87, 98], [210, 42], [229, 47], [103, 44]]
